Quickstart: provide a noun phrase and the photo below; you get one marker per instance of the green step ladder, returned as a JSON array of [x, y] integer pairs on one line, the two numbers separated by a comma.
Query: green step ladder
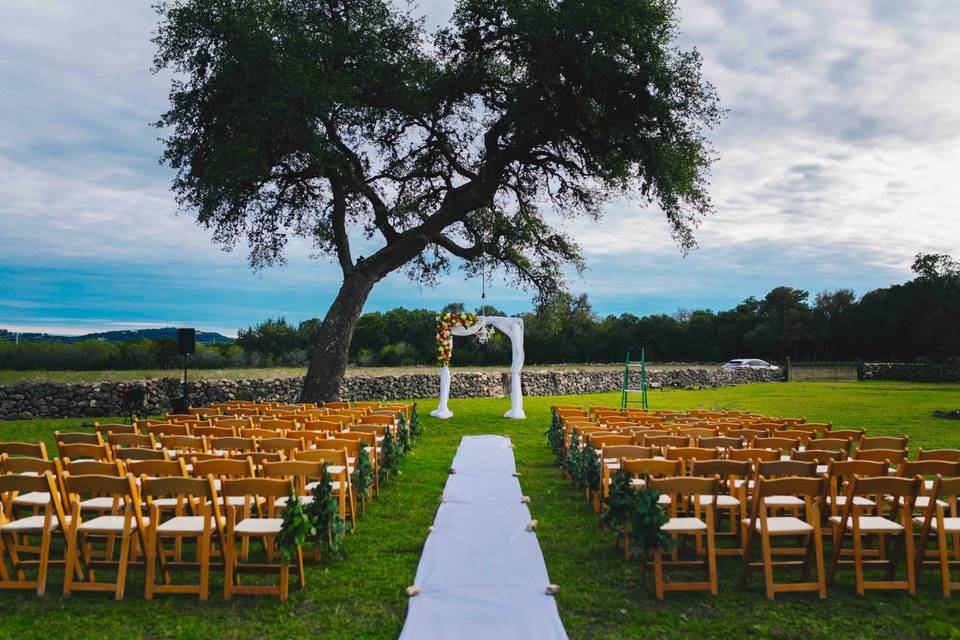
[[625, 390]]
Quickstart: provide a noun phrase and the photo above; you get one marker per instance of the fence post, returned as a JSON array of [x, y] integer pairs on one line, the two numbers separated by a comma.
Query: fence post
[[787, 373]]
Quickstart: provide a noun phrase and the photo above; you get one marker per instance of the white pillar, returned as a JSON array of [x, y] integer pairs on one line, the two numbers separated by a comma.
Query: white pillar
[[442, 411]]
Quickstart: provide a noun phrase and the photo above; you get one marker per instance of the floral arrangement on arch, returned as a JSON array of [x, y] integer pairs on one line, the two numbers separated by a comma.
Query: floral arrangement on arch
[[445, 323]]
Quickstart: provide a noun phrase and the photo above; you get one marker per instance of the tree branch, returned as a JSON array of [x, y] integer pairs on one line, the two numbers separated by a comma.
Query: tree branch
[[339, 218]]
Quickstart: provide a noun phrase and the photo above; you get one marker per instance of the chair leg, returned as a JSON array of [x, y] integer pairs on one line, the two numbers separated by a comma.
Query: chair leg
[[858, 561], [3, 563], [44, 560], [300, 572], [658, 572], [71, 562], [228, 559], [818, 555], [203, 557], [125, 553], [908, 543], [284, 579], [712, 559], [767, 563], [944, 563]]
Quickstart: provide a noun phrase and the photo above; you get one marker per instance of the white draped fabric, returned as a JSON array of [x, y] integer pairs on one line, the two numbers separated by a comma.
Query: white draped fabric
[[513, 329]]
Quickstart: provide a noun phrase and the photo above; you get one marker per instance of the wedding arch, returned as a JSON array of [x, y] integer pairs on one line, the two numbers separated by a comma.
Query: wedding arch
[[451, 324]]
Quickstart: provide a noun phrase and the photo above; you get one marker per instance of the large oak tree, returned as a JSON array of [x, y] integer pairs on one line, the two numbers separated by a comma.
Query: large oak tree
[[337, 120]]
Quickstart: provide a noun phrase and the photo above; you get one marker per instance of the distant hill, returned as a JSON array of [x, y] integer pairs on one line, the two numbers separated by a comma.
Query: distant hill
[[170, 333]]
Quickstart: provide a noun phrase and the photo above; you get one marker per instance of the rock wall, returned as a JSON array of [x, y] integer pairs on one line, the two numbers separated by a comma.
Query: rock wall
[[60, 400], [911, 372]]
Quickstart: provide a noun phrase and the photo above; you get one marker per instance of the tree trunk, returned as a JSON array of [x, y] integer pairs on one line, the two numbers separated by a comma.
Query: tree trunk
[[329, 361]]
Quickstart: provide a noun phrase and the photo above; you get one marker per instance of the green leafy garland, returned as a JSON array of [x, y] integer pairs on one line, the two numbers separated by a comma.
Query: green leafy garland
[[404, 441], [324, 512], [573, 462], [555, 437], [363, 471], [416, 429], [637, 511], [590, 464], [391, 455], [296, 529]]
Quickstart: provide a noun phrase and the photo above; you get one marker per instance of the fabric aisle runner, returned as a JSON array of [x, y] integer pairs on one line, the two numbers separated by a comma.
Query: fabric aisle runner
[[482, 573]]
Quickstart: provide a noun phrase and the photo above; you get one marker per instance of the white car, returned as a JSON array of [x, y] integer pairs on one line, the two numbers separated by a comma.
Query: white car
[[749, 363]]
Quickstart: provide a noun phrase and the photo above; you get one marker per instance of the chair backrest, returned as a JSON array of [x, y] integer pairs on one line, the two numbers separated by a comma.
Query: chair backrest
[[884, 442], [120, 486], [679, 487], [278, 424], [232, 444], [257, 458], [253, 488], [329, 426], [140, 453], [906, 488], [168, 429], [114, 427], [726, 469], [753, 455], [343, 421], [300, 471], [720, 442], [44, 482], [855, 434], [369, 439], [118, 440], [781, 468], [199, 494], [260, 433], [366, 405], [654, 467], [893, 456], [336, 405], [327, 456], [814, 427], [945, 489], [204, 412], [687, 454], [88, 451], [374, 419], [25, 449], [352, 446], [952, 455], [233, 468], [697, 432], [184, 443], [157, 468], [180, 417], [799, 437], [598, 440], [241, 411], [833, 444], [945, 468], [618, 451], [77, 438], [748, 435], [377, 429], [665, 441], [91, 467], [286, 445], [862, 468], [780, 444], [21, 464], [791, 485], [817, 456], [232, 423], [214, 431]]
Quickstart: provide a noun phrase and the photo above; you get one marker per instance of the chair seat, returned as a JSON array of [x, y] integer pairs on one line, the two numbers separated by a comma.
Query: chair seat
[[783, 501], [684, 525], [29, 524], [166, 503], [259, 526], [310, 486], [950, 525], [108, 524], [858, 501], [186, 525], [723, 500], [922, 502], [104, 503], [282, 501], [740, 482], [638, 482], [871, 524], [32, 499], [784, 525]]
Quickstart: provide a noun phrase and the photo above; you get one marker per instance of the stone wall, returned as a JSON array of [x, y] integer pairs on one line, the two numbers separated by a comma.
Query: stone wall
[[59, 400], [912, 372]]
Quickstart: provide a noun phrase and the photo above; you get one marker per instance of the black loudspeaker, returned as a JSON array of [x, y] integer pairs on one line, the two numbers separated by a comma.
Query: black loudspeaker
[[186, 341]]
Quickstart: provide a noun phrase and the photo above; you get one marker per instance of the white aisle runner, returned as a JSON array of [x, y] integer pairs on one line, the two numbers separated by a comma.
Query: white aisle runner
[[482, 574]]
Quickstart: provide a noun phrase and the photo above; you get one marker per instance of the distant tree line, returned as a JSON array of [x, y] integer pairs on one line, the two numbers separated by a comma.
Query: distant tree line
[[915, 321]]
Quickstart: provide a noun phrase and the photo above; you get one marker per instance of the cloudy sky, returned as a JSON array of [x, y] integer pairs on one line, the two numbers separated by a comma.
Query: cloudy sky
[[839, 161]]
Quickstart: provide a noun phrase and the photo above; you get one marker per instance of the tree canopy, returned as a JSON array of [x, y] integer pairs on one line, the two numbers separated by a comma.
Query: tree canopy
[[345, 119]]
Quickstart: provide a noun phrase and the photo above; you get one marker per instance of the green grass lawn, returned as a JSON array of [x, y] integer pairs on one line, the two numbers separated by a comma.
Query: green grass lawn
[[360, 594]]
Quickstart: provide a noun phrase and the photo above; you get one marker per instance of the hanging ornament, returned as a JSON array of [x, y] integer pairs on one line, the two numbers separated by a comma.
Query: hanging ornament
[[484, 334]]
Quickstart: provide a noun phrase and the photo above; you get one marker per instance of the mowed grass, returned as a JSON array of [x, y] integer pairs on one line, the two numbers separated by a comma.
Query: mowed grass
[[360, 595]]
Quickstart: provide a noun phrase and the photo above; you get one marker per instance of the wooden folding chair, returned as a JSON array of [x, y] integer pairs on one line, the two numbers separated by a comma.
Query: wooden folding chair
[[256, 432], [232, 446], [215, 431], [196, 516], [640, 471], [843, 445], [702, 493], [853, 434], [304, 475], [122, 490], [372, 444], [943, 495], [286, 446], [732, 496], [904, 492], [686, 455], [809, 492], [229, 422], [747, 435], [721, 442], [177, 445], [950, 455], [241, 524], [665, 441], [14, 530], [338, 468], [892, 457], [166, 429]]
